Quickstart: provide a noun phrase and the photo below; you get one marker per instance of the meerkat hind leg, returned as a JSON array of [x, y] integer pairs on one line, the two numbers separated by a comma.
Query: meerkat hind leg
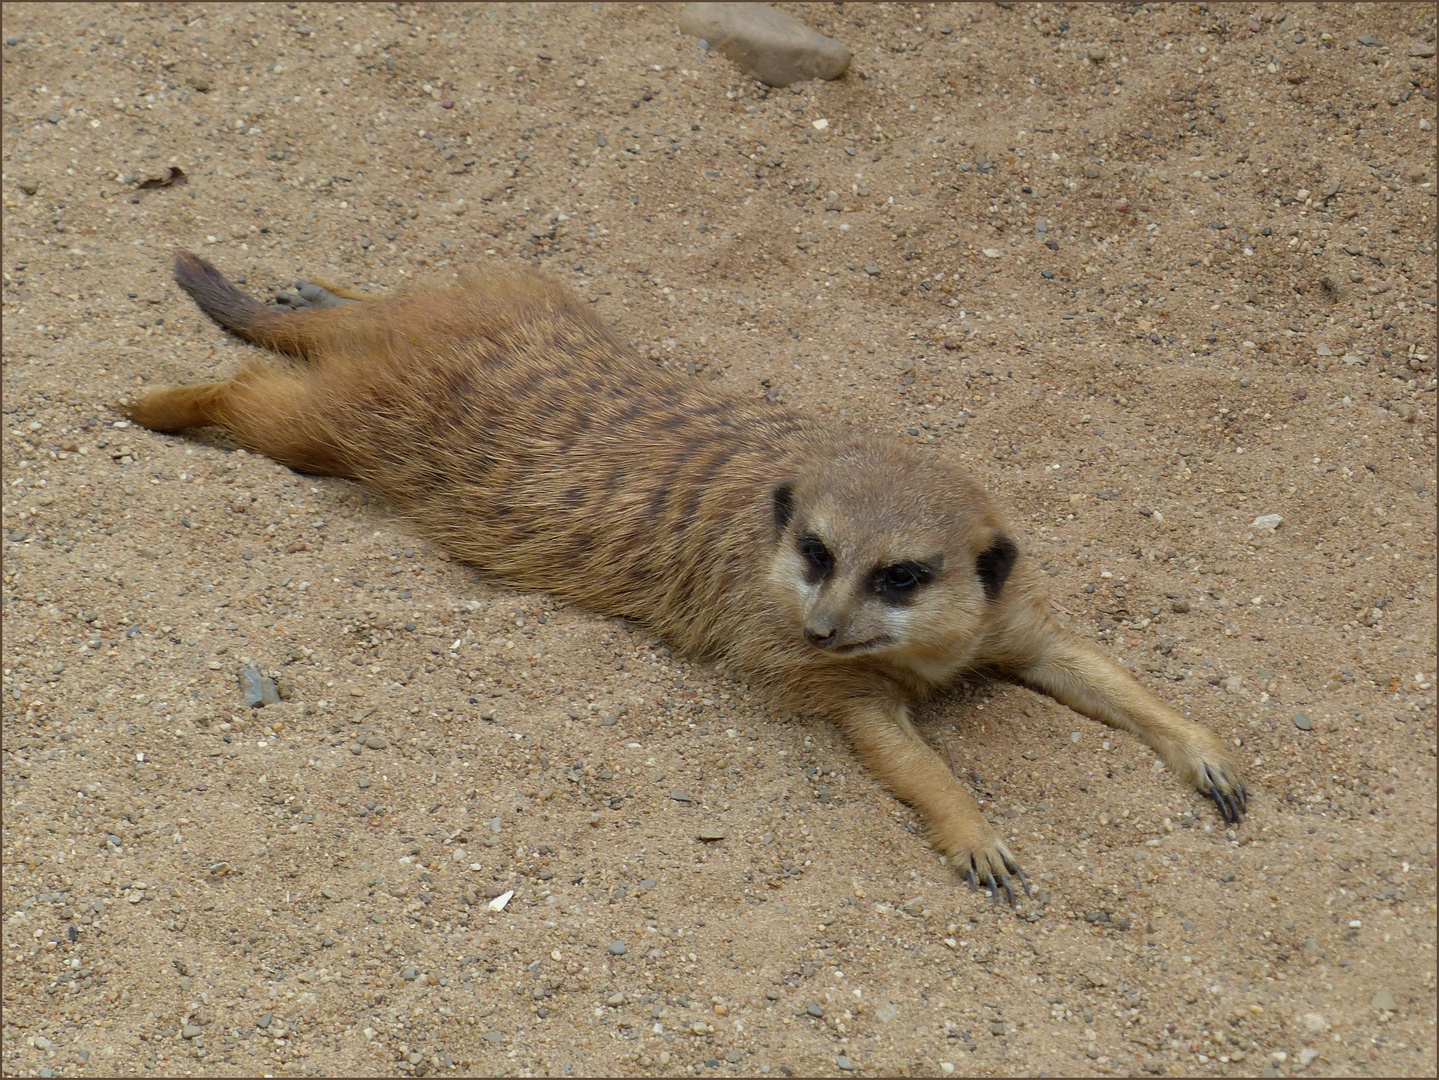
[[316, 296], [264, 406], [890, 747], [1076, 674]]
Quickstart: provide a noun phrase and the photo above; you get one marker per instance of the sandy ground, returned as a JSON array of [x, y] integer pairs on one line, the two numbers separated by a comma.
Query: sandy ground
[[1152, 272]]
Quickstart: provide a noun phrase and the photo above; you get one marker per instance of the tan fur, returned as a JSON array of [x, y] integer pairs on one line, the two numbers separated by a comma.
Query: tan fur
[[512, 428]]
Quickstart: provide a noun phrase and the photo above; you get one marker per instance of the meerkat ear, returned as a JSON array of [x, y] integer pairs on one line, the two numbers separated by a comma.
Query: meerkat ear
[[783, 499], [994, 564]]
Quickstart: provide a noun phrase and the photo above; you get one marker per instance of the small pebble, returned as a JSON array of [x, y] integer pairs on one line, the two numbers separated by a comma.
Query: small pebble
[[617, 948], [1267, 522], [1384, 999], [256, 689], [844, 1063], [710, 834], [814, 1009], [1302, 721], [376, 741], [264, 1020], [191, 1031], [410, 974]]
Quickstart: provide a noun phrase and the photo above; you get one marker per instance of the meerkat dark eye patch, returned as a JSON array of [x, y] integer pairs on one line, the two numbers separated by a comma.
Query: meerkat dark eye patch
[[994, 564], [818, 559], [900, 583], [783, 499]]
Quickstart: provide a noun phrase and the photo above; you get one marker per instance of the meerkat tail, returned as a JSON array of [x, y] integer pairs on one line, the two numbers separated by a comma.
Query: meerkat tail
[[295, 333], [219, 299]]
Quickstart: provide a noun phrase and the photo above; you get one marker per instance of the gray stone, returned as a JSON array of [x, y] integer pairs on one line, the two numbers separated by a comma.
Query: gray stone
[[191, 1031], [1302, 721], [1384, 999], [844, 1063], [768, 45], [618, 948], [257, 690]]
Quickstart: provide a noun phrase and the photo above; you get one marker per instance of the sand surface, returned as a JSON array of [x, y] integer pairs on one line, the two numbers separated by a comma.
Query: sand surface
[[1152, 272]]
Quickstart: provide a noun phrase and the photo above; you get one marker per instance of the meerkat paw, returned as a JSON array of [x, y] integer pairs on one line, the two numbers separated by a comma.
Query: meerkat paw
[[310, 297], [990, 864], [1205, 762], [1219, 779]]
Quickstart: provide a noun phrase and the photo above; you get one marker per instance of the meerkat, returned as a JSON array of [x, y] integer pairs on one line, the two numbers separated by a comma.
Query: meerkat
[[853, 577]]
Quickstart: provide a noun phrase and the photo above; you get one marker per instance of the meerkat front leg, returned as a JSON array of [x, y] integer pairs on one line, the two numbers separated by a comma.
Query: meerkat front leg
[[1077, 674], [880, 730]]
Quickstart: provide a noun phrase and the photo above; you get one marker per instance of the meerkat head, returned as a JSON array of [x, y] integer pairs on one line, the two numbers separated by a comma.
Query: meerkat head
[[878, 551]]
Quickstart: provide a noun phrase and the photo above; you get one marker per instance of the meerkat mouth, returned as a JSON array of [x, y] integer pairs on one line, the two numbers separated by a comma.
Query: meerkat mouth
[[870, 645]]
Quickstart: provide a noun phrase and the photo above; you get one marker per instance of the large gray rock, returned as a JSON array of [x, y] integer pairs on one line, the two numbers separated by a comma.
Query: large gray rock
[[766, 44]]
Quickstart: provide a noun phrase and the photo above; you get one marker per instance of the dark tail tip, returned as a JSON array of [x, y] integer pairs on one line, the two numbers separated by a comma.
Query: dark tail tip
[[216, 297]]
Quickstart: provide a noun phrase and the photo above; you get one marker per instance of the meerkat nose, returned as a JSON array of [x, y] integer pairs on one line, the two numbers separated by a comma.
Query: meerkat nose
[[822, 640]]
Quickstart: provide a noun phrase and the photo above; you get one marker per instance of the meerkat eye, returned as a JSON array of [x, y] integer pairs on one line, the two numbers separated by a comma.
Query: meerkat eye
[[813, 551], [899, 582]]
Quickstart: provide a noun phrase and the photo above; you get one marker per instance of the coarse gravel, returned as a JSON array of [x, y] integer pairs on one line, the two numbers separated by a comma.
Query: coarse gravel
[[994, 237]]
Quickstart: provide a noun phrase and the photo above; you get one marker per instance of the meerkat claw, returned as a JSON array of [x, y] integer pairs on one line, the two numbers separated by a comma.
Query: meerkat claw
[[969, 873], [1229, 794], [1227, 810], [1023, 881]]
